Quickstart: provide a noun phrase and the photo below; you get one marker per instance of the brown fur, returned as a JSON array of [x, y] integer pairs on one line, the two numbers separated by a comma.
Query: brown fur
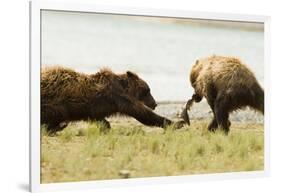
[[67, 95], [228, 85]]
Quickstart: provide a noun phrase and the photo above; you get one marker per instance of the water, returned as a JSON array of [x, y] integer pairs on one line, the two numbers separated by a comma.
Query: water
[[161, 50]]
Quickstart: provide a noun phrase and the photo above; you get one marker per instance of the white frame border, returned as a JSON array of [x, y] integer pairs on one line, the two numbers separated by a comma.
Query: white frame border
[[35, 60]]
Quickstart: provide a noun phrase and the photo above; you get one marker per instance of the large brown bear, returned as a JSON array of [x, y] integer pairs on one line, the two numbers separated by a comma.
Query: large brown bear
[[228, 85], [67, 95]]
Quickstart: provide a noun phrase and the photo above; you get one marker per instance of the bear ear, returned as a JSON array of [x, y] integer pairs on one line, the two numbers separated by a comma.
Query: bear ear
[[131, 74]]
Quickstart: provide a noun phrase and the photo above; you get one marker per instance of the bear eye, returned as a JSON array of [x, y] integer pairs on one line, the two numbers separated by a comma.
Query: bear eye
[[144, 92]]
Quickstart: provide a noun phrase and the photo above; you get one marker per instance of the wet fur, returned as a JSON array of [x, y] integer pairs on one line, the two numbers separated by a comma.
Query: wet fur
[[67, 95], [228, 85]]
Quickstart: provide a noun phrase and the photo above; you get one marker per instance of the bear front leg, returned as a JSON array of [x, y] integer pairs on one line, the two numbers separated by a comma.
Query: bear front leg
[[222, 115], [213, 125], [140, 112]]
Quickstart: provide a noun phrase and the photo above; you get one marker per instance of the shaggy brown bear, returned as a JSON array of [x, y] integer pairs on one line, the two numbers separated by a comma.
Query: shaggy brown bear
[[67, 95], [228, 85]]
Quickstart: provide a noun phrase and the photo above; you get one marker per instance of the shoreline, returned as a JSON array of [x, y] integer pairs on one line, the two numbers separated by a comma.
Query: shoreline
[[200, 111]]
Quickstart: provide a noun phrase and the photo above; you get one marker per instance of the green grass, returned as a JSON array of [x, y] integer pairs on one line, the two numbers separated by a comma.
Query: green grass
[[83, 152]]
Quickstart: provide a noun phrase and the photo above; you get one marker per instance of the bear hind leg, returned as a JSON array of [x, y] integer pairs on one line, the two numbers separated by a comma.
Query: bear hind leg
[[53, 128], [54, 117]]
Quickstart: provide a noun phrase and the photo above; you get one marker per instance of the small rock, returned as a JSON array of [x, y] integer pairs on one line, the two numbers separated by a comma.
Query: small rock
[[87, 171], [124, 173], [81, 132]]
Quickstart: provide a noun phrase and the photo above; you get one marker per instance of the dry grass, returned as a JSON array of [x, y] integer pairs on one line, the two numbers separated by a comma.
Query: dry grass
[[83, 152]]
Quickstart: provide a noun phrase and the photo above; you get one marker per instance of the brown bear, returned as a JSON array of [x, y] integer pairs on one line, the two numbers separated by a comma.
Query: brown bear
[[67, 95], [228, 85]]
